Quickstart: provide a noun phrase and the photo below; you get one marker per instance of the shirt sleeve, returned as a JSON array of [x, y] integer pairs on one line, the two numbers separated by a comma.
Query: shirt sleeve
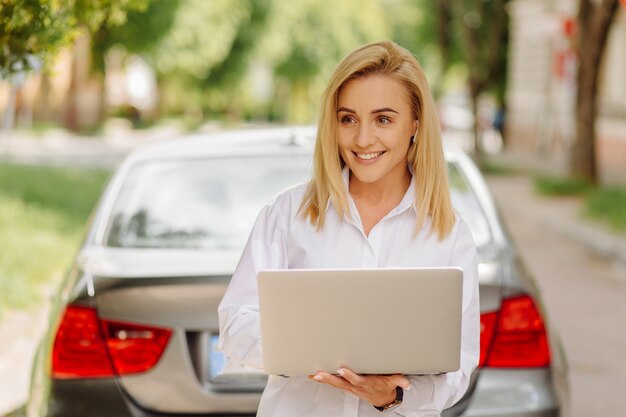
[[437, 392], [238, 312]]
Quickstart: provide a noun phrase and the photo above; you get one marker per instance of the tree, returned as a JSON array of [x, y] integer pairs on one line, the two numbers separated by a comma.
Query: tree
[[29, 29], [228, 73], [141, 32], [33, 31], [207, 44], [481, 44], [40, 28], [307, 40], [213, 46], [594, 22]]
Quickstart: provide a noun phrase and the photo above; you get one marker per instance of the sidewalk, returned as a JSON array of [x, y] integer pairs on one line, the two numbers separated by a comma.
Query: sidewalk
[[23, 329], [562, 214], [58, 147], [582, 293]]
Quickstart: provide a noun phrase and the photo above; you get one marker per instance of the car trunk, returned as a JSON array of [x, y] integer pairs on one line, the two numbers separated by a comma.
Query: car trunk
[[181, 290]]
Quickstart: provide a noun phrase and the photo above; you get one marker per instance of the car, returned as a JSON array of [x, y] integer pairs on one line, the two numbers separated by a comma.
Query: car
[[134, 323]]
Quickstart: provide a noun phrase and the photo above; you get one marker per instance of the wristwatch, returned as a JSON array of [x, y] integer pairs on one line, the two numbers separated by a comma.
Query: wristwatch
[[397, 401]]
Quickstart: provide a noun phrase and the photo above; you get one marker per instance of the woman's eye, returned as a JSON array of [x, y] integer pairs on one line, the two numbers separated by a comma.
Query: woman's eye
[[347, 119], [384, 120]]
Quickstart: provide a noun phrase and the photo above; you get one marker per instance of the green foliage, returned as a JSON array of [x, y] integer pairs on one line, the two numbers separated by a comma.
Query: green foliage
[[473, 33], [69, 192], [35, 30], [561, 186], [208, 58], [42, 215], [306, 40], [227, 73], [32, 28], [494, 168], [141, 33], [207, 54], [97, 13], [417, 28], [201, 36], [608, 205]]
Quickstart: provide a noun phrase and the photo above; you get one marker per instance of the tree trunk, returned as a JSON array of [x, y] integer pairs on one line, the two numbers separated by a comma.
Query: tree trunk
[[478, 153], [70, 117], [595, 22], [583, 156], [42, 109], [8, 121]]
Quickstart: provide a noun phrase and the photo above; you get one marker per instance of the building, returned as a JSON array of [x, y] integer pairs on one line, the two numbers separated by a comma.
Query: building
[[542, 89]]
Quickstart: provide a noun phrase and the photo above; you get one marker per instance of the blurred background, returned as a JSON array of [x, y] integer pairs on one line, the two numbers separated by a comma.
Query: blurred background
[[535, 90]]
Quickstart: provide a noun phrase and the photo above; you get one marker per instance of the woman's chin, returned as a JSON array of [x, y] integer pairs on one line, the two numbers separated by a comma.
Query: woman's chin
[[367, 175]]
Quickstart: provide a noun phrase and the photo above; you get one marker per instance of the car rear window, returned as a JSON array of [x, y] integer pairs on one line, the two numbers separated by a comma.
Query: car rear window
[[212, 203], [200, 203]]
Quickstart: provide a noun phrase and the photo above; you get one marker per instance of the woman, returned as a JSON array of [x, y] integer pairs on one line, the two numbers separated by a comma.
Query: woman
[[379, 197]]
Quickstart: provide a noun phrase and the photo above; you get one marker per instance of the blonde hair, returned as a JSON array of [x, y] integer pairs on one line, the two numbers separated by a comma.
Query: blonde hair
[[425, 156]]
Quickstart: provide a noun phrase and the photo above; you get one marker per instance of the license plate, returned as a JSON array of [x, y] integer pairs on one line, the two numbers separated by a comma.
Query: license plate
[[216, 359]]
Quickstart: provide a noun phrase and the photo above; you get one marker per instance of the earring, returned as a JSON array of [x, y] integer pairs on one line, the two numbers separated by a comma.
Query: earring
[[414, 137]]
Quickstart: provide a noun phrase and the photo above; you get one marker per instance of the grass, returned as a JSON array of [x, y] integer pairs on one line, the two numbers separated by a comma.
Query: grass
[[494, 168], [605, 204], [43, 211], [561, 186], [608, 205]]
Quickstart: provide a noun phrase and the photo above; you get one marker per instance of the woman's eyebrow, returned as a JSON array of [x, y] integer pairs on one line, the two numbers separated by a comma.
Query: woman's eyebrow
[[383, 110], [345, 109]]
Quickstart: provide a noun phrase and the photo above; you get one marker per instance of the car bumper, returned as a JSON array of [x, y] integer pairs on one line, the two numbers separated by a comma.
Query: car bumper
[[513, 393], [501, 393], [100, 398]]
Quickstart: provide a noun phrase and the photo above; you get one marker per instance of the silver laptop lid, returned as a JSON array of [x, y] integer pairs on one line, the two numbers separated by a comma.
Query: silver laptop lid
[[372, 321]]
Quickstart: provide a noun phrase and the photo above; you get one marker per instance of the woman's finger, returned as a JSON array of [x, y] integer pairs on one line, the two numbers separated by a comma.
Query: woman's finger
[[333, 380], [401, 381], [354, 379]]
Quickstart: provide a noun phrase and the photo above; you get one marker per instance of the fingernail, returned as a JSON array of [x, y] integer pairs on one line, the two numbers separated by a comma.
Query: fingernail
[[341, 372], [317, 377], [407, 388]]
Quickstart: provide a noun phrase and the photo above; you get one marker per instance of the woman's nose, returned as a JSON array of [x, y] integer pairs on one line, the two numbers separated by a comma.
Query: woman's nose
[[364, 137]]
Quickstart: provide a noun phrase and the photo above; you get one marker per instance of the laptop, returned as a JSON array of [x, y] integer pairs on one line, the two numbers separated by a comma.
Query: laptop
[[372, 321]]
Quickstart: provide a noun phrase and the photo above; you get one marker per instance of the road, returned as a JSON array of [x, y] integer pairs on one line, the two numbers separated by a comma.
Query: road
[[584, 293]]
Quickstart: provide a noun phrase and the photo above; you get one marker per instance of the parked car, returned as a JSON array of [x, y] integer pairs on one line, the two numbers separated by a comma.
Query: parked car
[[134, 325]]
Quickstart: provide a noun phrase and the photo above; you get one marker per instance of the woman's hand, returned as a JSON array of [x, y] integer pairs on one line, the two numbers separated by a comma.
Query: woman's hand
[[377, 390]]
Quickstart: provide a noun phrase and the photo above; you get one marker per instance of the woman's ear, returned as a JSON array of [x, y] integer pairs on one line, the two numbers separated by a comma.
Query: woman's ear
[[417, 126]]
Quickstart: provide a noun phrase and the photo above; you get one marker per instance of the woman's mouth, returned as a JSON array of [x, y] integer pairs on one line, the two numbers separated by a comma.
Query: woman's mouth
[[368, 156]]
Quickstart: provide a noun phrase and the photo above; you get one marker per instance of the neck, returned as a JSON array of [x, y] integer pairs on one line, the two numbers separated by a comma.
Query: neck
[[388, 188]]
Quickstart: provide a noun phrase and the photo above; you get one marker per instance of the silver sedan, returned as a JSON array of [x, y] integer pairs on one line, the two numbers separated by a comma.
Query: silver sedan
[[135, 323]]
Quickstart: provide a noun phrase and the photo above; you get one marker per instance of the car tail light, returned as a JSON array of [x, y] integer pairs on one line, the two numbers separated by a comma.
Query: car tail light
[[79, 349], [134, 348], [514, 337], [87, 347]]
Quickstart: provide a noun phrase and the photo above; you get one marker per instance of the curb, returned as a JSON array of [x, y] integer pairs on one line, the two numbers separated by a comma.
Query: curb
[[604, 244], [559, 214]]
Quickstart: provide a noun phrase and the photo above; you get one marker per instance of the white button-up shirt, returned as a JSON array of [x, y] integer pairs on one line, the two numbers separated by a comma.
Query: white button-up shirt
[[281, 239]]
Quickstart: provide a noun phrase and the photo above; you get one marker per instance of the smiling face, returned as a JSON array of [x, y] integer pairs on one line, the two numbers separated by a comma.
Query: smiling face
[[375, 123]]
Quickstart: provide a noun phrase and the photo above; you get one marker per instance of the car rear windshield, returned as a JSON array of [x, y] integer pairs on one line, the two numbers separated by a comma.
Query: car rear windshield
[[212, 203]]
